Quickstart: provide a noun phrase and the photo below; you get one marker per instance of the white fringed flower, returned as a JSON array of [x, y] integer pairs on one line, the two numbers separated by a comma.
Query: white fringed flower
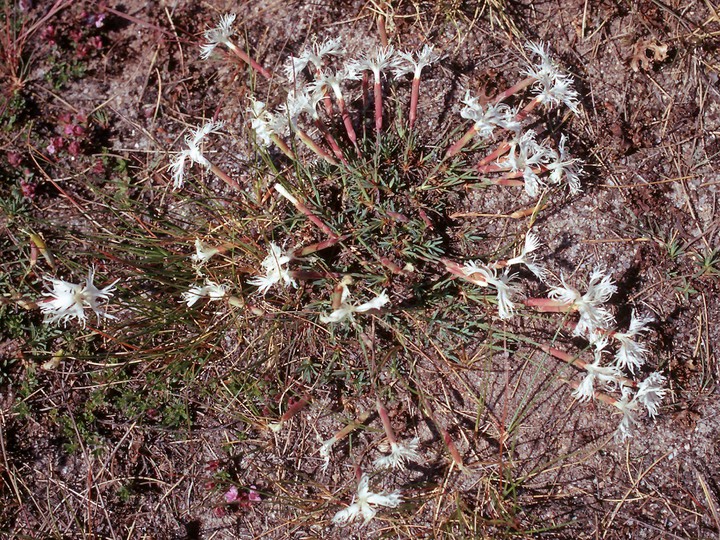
[[546, 63], [68, 300], [305, 100], [552, 86], [192, 152], [325, 449], [399, 454], [598, 338], [607, 375], [315, 56], [487, 118], [363, 503], [264, 123], [219, 35], [346, 309], [558, 90], [275, 270], [489, 277], [528, 258], [593, 315], [328, 82], [526, 155], [651, 392], [377, 61], [211, 290], [298, 102], [425, 58], [562, 166], [203, 252], [629, 408], [630, 353]]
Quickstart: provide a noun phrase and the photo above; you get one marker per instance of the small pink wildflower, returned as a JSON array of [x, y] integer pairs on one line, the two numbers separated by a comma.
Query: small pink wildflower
[[252, 495], [243, 498], [231, 495], [219, 512], [14, 159]]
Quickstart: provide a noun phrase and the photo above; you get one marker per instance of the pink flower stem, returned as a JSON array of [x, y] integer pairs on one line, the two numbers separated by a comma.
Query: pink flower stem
[[453, 267], [518, 87], [365, 85], [242, 55], [460, 144], [564, 356], [305, 138], [548, 305], [457, 270], [344, 432], [284, 148], [382, 30], [426, 219], [520, 174], [382, 411], [582, 364], [525, 212], [454, 453], [330, 140], [295, 408], [506, 181], [336, 296], [327, 101], [378, 104], [492, 167], [476, 278], [224, 177], [499, 151], [319, 223], [347, 121], [319, 246], [600, 396], [414, 98], [523, 114]]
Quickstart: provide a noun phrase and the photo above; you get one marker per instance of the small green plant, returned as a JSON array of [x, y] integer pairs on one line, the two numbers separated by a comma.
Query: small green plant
[[674, 247], [685, 288], [62, 73], [709, 262]]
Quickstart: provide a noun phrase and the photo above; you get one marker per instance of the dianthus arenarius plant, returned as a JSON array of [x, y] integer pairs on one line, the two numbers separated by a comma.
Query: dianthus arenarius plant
[[379, 191], [376, 197]]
